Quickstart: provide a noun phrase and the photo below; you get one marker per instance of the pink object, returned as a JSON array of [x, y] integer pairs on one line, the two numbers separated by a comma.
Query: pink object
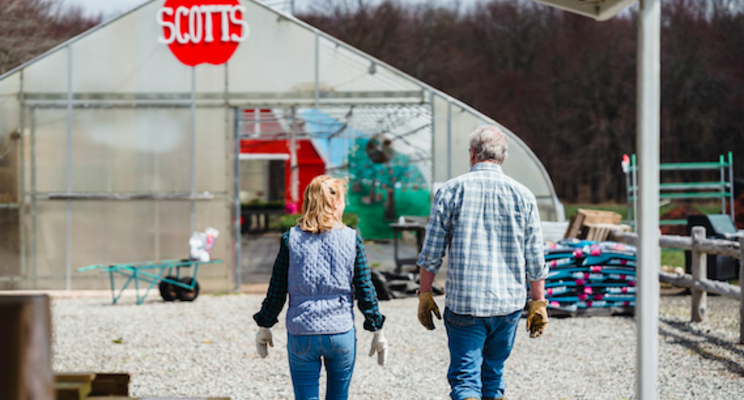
[[599, 297], [627, 303], [580, 282], [596, 251], [588, 303], [578, 253], [588, 290], [292, 208], [622, 277], [554, 263], [555, 304], [583, 297], [596, 268], [623, 262], [549, 292], [624, 290], [586, 276], [631, 283]]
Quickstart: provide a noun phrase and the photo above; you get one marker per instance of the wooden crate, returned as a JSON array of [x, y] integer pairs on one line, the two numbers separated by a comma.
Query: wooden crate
[[583, 217]]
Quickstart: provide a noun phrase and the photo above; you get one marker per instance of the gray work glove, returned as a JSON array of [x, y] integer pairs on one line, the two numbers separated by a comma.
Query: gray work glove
[[263, 340], [379, 346]]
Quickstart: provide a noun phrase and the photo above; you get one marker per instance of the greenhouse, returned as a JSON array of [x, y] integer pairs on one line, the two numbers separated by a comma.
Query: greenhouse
[[119, 143]]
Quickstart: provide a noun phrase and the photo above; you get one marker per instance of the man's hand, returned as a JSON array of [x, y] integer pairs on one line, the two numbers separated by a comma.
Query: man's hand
[[537, 318], [263, 338], [425, 309], [379, 346]]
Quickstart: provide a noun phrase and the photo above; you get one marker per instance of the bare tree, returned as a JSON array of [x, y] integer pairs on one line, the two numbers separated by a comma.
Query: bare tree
[[564, 83], [29, 28]]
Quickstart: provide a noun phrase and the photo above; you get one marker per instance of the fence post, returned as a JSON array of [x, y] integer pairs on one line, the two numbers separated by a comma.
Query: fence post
[[699, 271], [741, 285]]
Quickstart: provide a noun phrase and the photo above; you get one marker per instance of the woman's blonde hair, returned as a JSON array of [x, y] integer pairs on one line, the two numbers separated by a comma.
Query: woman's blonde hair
[[318, 211]]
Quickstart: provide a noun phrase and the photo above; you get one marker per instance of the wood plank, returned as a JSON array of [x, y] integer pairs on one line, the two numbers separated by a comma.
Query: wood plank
[[573, 227], [110, 385], [708, 246], [699, 271], [600, 217], [686, 281], [72, 390], [74, 377]]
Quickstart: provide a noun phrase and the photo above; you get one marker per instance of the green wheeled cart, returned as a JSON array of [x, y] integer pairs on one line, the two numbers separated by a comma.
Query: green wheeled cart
[[166, 274]]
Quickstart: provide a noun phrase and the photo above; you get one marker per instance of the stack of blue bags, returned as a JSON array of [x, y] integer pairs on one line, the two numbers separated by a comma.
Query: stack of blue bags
[[590, 278]]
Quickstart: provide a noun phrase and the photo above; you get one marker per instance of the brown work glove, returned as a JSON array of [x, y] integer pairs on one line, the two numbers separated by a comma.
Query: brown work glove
[[426, 307], [537, 317]]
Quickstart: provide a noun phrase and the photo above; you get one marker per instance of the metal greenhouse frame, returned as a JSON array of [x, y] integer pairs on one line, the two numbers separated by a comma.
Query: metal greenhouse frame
[[118, 150]]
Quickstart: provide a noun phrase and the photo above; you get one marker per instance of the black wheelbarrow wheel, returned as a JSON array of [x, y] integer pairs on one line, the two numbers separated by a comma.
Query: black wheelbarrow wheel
[[168, 291], [186, 294]]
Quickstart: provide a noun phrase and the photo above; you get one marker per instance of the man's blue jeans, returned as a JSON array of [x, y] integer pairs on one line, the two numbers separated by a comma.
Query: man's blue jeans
[[305, 352], [478, 348]]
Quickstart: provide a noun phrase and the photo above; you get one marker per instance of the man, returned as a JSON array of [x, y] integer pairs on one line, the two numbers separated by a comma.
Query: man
[[491, 225]]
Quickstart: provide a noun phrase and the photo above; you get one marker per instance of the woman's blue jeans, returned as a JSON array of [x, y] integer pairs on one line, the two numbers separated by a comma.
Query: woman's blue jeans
[[339, 354], [478, 348]]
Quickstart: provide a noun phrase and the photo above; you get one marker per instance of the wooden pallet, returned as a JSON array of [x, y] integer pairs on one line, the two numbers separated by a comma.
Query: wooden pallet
[[582, 222], [83, 385], [95, 386]]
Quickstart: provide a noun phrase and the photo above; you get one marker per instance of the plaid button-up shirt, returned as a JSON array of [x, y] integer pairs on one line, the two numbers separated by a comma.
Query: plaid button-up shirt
[[490, 223]]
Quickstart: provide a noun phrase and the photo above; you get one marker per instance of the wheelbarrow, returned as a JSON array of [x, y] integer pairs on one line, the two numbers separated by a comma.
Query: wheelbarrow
[[171, 286]]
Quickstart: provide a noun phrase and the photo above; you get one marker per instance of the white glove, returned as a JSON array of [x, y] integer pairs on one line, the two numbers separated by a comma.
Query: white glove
[[379, 346], [263, 337]]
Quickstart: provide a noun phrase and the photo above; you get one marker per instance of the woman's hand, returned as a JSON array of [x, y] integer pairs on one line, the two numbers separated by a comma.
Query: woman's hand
[[379, 346], [263, 338]]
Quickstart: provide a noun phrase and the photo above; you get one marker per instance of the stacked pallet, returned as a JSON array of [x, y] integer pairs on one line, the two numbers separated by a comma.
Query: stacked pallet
[[590, 278]]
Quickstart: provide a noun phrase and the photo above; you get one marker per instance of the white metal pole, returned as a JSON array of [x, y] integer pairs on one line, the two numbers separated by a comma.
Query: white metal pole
[[449, 138], [294, 172], [68, 234], [192, 212], [238, 236], [649, 108], [316, 91], [22, 184]]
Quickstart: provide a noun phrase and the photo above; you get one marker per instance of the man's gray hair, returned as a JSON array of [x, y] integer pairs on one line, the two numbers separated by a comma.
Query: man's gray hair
[[489, 143]]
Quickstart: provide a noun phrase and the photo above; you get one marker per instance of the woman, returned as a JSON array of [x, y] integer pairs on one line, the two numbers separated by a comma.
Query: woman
[[321, 264]]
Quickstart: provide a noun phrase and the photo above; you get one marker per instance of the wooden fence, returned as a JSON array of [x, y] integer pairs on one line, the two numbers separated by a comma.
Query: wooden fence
[[699, 245]]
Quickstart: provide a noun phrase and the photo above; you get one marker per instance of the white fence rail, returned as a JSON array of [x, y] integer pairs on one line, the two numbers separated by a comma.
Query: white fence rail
[[699, 245]]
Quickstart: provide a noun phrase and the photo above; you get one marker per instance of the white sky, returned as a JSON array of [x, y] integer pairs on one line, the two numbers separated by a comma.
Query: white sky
[[112, 8]]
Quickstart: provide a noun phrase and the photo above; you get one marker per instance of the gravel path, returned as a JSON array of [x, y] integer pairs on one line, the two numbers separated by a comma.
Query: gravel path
[[206, 349]]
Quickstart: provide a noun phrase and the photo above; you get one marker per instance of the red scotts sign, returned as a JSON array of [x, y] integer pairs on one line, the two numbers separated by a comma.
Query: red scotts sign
[[203, 31]]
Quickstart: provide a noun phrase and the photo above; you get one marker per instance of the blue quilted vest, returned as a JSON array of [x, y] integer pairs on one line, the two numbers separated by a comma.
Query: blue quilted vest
[[321, 269]]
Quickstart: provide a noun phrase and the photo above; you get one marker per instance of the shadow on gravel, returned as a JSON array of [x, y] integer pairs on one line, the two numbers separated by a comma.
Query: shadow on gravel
[[695, 344]]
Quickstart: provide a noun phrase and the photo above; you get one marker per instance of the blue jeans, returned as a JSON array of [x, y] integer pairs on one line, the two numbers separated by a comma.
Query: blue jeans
[[305, 352], [478, 348]]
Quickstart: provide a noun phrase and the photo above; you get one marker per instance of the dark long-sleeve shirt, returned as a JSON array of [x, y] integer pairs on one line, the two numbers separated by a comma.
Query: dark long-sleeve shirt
[[363, 288]]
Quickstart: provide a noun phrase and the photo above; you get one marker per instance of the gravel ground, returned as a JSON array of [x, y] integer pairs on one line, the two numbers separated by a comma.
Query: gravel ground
[[206, 349]]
